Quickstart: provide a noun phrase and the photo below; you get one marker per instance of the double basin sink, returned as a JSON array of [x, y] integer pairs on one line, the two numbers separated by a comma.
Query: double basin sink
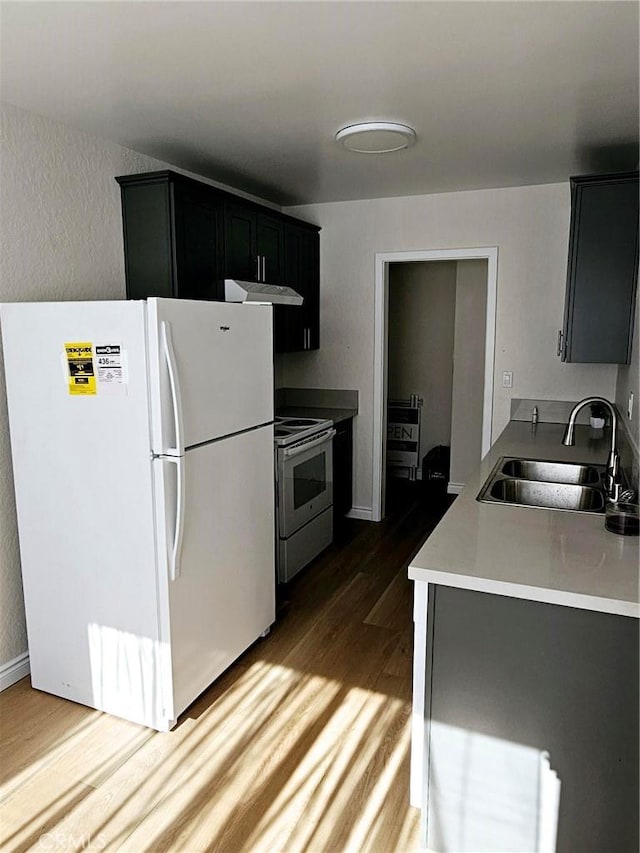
[[547, 485]]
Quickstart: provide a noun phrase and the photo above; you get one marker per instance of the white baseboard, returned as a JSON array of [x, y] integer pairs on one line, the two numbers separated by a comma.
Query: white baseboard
[[455, 488], [363, 513], [14, 670]]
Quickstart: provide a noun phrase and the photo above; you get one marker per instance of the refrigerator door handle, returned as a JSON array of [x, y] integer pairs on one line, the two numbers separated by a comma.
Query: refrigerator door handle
[[178, 530], [174, 382]]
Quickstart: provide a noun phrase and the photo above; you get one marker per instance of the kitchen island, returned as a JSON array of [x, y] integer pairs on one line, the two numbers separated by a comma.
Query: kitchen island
[[525, 709]]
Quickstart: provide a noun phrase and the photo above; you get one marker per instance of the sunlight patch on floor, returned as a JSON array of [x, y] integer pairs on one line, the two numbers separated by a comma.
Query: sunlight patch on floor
[[305, 763]]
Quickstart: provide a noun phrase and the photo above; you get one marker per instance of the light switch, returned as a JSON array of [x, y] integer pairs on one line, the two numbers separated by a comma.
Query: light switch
[[507, 379]]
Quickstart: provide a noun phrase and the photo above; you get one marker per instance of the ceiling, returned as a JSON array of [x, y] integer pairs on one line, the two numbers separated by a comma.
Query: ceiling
[[251, 94]]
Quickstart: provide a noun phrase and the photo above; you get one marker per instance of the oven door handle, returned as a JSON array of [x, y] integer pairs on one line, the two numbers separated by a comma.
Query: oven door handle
[[297, 449]]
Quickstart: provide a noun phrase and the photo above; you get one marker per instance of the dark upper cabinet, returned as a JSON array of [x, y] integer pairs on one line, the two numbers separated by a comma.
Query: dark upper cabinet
[[148, 250], [253, 244], [309, 282], [298, 328], [198, 244], [182, 238], [270, 248], [602, 270], [240, 242], [172, 237]]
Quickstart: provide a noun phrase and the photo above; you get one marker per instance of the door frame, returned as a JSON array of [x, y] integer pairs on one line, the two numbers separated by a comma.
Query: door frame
[[380, 356]]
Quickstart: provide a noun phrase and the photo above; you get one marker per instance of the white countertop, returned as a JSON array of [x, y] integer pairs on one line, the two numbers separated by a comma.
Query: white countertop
[[552, 556]]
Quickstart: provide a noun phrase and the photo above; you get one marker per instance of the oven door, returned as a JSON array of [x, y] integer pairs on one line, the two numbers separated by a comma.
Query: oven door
[[305, 481]]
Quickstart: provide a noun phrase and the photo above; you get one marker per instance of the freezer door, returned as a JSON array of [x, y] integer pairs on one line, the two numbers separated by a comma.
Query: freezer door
[[222, 580], [211, 370]]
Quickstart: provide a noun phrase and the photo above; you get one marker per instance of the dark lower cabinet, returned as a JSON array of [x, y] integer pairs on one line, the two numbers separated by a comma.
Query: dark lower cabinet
[[182, 238], [602, 270], [516, 685], [342, 470]]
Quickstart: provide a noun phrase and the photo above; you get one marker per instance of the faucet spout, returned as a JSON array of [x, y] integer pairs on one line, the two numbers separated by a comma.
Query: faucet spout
[[612, 478]]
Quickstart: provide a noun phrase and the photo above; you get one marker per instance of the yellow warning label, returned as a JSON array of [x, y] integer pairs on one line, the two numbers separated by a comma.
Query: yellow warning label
[[82, 378]]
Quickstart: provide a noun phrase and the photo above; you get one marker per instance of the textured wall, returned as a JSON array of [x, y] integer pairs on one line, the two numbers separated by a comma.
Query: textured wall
[[467, 402], [530, 227], [60, 238], [422, 302]]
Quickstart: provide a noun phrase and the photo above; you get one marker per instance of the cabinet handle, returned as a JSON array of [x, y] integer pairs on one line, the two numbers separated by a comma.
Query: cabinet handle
[[264, 268], [258, 272], [560, 337]]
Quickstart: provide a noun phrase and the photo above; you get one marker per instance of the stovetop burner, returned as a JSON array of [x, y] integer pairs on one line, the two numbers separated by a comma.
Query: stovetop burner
[[289, 429], [280, 431]]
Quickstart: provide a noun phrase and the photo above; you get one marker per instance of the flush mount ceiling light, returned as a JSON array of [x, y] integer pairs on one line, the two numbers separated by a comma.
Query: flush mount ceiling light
[[376, 137]]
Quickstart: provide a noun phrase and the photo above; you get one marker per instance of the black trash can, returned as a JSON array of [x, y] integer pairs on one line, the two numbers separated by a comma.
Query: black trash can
[[435, 470]]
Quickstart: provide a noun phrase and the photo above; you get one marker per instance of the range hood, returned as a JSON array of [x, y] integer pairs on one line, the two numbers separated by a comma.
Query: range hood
[[257, 291]]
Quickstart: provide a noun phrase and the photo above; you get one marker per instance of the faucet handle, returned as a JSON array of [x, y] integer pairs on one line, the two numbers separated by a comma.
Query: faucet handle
[[613, 490]]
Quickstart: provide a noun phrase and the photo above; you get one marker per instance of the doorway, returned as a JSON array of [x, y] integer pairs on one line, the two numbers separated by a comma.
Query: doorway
[[465, 300]]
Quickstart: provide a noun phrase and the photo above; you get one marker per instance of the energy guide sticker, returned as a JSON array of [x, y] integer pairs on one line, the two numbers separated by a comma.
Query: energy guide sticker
[[82, 378], [110, 364]]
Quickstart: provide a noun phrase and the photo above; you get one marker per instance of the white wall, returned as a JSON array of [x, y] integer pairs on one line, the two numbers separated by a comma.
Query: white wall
[[530, 227], [422, 301], [467, 404]]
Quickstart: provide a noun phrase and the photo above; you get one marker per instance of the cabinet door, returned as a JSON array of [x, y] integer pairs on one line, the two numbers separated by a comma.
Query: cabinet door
[[240, 242], [509, 678], [297, 327], [342, 470], [198, 244], [289, 319], [602, 270], [148, 255], [270, 249], [310, 275]]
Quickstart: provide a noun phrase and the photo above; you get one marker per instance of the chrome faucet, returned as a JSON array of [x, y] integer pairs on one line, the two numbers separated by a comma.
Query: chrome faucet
[[612, 476]]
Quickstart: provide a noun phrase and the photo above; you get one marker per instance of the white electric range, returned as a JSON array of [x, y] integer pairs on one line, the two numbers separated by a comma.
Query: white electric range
[[304, 491]]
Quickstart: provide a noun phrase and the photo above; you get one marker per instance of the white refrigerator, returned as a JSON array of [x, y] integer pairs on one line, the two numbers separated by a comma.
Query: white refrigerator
[[142, 446]]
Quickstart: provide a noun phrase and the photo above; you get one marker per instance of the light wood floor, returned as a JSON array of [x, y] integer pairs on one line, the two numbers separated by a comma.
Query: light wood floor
[[303, 745]]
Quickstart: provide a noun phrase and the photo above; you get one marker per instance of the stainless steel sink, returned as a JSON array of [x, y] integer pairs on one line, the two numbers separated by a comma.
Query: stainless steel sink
[[545, 485], [548, 495], [552, 472]]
